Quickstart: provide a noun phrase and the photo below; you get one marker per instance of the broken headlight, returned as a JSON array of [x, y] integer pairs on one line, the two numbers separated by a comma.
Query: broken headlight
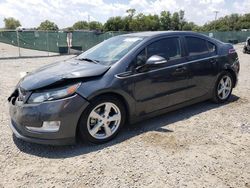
[[53, 94]]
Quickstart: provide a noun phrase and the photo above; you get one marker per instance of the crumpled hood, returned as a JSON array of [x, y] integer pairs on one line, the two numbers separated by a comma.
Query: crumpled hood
[[59, 71]]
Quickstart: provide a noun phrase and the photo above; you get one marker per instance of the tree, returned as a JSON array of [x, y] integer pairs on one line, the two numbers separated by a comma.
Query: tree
[[114, 24], [11, 23], [81, 25], [127, 20], [165, 20], [131, 13], [175, 21], [94, 25], [189, 26], [233, 22], [48, 26]]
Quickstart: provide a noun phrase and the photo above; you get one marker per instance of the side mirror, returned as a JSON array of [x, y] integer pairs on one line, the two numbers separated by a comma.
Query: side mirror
[[151, 62], [155, 60]]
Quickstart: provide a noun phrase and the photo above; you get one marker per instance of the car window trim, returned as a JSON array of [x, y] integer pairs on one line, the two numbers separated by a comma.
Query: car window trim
[[132, 74]]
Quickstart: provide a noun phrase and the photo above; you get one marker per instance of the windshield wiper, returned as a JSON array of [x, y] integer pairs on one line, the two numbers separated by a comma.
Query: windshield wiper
[[89, 60]]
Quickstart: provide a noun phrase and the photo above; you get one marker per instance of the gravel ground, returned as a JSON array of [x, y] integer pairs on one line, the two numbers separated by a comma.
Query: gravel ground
[[204, 145], [10, 51]]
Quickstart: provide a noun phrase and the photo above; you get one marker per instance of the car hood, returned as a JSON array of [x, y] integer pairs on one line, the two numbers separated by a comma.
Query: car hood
[[59, 71]]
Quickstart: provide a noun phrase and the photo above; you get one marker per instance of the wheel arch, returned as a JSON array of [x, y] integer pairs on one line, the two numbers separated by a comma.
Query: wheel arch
[[111, 94], [116, 95], [125, 101], [233, 74]]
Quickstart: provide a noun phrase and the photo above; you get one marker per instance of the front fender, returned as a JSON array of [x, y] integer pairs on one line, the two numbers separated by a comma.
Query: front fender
[[95, 88]]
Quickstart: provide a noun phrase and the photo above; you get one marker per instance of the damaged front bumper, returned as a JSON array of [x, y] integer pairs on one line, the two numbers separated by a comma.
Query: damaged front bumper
[[27, 120]]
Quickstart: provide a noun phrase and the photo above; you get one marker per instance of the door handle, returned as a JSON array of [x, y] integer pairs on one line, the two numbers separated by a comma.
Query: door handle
[[181, 69]]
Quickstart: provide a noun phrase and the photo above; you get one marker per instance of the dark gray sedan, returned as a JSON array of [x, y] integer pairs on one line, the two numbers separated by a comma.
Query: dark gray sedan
[[123, 79]]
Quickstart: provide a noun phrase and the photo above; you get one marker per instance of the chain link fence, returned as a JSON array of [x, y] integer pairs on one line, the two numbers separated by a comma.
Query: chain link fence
[[28, 43]]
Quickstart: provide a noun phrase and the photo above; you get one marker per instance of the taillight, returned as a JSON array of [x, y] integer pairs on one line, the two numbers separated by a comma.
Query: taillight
[[231, 51]]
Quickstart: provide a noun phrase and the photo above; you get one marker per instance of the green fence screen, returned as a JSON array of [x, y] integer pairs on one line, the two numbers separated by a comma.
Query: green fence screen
[[82, 40], [229, 36], [89, 39]]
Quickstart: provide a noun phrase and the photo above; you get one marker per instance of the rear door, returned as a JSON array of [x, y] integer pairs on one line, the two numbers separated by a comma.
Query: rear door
[[202, 60]]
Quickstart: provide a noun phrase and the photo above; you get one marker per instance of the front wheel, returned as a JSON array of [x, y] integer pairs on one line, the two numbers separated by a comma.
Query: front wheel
[[102, 120], [223, 88]]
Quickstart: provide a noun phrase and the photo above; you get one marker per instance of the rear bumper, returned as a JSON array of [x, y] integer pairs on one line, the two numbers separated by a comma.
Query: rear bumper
[[67, 111]]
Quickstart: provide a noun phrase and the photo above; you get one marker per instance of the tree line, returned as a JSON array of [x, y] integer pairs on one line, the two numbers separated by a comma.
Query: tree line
[[151, 22]]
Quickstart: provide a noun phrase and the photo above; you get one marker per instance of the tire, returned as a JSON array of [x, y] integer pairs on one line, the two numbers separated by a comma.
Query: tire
[[97, 125], [221, 95]]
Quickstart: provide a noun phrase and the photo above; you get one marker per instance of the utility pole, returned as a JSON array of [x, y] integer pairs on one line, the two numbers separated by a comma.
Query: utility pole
[[89, 20], [216, 13], [18, 43]]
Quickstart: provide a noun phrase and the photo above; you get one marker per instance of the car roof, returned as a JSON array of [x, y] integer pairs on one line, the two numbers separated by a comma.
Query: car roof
[[161, 33], [153, 34]]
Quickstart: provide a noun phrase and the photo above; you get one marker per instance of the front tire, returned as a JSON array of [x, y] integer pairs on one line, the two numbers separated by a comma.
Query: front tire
[[223, 88], [102, 120]]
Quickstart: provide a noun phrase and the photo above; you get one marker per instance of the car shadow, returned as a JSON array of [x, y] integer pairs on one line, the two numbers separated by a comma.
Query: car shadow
[[129, 131]]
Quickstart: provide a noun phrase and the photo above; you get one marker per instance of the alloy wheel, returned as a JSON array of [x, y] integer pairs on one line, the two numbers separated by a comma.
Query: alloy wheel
[[224, 87], [104, 120]]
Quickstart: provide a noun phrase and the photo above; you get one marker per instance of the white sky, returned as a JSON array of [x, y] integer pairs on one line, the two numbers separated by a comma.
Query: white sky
[[66, 12]]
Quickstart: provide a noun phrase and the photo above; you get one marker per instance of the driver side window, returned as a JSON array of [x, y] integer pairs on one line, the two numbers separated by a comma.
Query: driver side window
[[169, 48]]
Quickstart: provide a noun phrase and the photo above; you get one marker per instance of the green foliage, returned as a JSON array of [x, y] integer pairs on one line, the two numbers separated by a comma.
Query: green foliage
[[165, 20], [189, 26], [175, 21], [48, 26], [233, 22], [11, 23], [94, 25], [114, 24], [150, 22], [81, 25], [145, 23], [69, 29]]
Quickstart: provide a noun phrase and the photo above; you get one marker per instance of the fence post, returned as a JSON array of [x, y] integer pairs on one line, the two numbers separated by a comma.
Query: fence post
[[48, 42], [18, 43]]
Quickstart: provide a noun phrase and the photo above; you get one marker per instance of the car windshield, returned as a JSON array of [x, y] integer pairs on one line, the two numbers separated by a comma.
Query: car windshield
[[111, 50]]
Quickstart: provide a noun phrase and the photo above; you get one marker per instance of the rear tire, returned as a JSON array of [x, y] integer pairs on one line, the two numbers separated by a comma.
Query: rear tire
[[223, 88], [102, 120]]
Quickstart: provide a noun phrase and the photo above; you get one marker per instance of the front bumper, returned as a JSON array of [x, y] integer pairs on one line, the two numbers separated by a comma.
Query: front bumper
[[67, 111]]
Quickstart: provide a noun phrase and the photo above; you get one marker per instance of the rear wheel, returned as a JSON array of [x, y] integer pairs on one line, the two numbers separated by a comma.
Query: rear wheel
[[102, 120], [223, 88]]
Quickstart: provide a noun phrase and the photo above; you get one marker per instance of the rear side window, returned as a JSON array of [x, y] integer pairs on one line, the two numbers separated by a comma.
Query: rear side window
[[211, 47], [168, 48], [196, 46]]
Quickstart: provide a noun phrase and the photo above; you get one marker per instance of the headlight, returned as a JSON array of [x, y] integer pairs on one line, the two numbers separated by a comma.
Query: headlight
[[52, 94]]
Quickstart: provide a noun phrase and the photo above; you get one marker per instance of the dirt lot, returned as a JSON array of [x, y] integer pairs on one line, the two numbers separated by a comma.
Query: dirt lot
[[205, 145], [9, 51]]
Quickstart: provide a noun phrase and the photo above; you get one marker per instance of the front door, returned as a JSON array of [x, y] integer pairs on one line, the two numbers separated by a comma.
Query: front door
[[163, 85]]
